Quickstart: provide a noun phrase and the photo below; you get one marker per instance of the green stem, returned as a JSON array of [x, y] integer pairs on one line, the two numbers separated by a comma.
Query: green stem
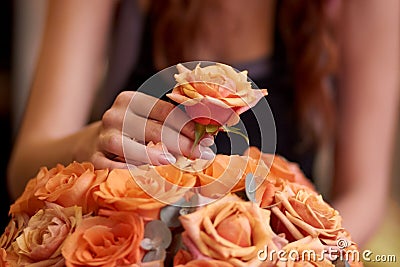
[[199, 132]]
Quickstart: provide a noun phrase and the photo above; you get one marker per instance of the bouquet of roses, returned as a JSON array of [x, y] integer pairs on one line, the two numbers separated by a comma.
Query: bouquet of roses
[[254, 209]]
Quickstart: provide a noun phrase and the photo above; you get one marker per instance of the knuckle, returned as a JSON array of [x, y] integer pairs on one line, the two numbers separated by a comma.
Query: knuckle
[[123, 98], [111, 118], [164, 108], [108, 118], [153, 132], [111, 142]]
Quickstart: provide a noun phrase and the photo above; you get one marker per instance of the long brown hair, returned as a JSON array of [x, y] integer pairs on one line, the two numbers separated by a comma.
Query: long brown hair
[[310, 40], [311, 50]]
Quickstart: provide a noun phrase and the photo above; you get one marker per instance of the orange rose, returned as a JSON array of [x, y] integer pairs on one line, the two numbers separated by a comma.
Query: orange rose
[[105, 241], [307, 211], [229, 230], [72, 185], [227, 174], [28, 202], [146, 192], [40, 242], [280, 172], [280, 168], [214, 95]]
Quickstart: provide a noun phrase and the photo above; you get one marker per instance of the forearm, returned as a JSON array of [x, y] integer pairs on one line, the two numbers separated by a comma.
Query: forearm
[[368, 112], [362, 213], [29, 155]]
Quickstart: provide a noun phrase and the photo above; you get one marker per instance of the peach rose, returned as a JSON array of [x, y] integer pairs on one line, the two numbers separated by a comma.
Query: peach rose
[[72, 185], [280, 168], [307, 211], [112, 239], [41, 241], [214, 94], [28, 202], [146, 192], [229, 230], [280, 172], [227, 174]]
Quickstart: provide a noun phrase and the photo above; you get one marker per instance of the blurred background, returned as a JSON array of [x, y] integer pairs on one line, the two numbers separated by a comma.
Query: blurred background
[[21, 23]]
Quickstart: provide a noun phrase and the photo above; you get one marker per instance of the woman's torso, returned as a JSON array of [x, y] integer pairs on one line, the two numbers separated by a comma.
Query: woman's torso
[[249, 42]]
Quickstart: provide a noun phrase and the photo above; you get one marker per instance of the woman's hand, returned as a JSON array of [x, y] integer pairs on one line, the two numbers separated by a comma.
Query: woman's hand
[[136, 119]]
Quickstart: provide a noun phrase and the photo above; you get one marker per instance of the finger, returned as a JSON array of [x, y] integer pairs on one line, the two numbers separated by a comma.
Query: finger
[[110, 143], [150, 107], [100, 161], [207, 140], [142, 129], [137, 152]]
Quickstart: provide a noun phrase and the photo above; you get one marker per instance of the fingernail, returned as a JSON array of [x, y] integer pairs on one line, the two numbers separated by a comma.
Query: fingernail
[[206, 153], [207, 141], [167, 158]]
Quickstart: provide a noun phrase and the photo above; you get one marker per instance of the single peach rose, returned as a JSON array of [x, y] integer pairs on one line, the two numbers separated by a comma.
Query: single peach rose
[[228, 230], [28, 202], [40, 242], [72, 185], [146, 192], [111, 239], [308, 212], [227, 174], [214, 95]]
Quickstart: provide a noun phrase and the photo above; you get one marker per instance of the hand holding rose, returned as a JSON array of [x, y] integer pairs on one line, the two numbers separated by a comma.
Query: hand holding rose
[[134, 120]]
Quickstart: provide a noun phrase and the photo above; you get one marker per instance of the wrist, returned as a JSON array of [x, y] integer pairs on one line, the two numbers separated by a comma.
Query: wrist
[[86, 142]]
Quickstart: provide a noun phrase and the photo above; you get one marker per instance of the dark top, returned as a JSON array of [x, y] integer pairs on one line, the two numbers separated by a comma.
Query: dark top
[[271, 73]]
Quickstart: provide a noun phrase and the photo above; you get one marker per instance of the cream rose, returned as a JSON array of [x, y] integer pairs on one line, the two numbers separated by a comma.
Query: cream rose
[[214, 95], [41, 241]]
